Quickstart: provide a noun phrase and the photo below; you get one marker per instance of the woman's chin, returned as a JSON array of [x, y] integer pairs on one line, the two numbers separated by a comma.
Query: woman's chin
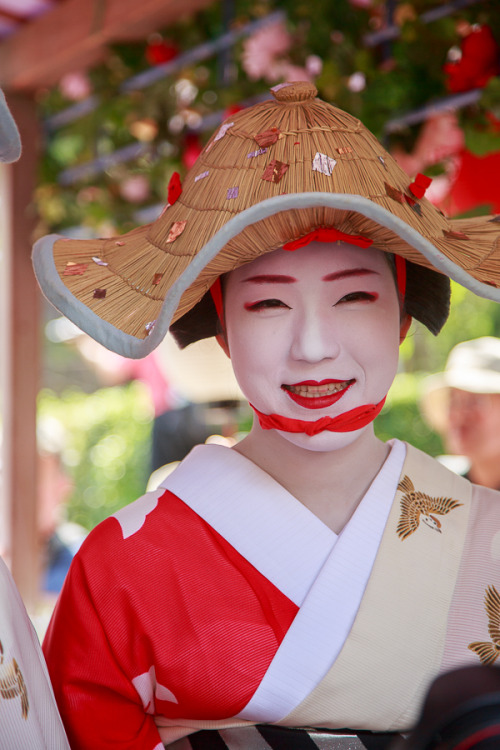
[[323, 442]]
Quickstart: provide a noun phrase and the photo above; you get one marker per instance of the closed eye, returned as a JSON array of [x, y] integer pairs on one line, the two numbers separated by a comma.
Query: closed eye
[[265, 304], [358, 297]]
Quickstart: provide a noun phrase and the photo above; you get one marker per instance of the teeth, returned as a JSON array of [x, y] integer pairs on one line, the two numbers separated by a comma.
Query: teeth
[[313, 391]]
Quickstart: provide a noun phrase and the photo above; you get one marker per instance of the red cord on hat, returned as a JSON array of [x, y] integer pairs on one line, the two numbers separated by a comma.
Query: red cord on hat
[[216, 294], [323, 234], [400, 275]]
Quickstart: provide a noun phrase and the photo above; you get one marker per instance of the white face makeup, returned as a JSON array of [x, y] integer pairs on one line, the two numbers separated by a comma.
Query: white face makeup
[[314, 332]]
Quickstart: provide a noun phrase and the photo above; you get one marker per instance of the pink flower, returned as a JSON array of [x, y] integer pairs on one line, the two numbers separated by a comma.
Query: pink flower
[[262, 50], [75, 86], [291, 72], [356, 82], [440, 139], [135, 189], [314, 65]]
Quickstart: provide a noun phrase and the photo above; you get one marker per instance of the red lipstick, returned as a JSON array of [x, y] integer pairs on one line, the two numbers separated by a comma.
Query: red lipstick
[[312, 394]]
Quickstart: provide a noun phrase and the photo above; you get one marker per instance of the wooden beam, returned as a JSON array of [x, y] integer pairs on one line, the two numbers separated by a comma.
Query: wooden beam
[[75, 34], [20, 357]]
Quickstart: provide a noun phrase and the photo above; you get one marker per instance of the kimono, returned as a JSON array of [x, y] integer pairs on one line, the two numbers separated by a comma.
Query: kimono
[[220, 602], [28, 713]]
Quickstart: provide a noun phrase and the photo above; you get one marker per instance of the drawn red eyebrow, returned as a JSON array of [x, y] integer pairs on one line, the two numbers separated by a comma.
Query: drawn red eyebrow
[[270, 279], [336, 275]]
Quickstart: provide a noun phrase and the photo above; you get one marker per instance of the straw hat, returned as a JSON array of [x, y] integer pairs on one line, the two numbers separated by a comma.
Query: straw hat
[[472, 366], [10, 144], [270, 174]]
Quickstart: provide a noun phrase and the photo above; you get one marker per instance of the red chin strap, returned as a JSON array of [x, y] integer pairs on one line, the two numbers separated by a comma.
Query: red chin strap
[[355, 419]]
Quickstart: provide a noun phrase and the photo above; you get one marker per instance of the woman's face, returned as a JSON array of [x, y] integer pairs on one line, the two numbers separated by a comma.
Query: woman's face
[[314, 332]]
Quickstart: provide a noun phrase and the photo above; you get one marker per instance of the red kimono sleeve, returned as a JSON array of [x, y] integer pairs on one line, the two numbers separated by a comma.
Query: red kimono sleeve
[[99, 705]]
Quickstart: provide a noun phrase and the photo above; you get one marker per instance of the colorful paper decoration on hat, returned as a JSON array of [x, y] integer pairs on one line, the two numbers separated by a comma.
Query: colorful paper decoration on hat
[[176, 230], [275, 171], [223, 130], [75, 269], [323, 163], [259, 152], [267, 137], [202, 175]]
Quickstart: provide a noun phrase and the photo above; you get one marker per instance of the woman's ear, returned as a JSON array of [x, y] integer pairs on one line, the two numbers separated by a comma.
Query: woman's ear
[[404, 326], [222, 341]]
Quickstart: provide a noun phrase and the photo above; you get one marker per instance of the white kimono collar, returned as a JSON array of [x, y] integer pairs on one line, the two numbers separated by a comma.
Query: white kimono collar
[[273, 530], [266, 524]]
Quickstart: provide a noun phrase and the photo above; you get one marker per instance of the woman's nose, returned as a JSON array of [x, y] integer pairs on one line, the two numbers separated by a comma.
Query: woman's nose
[[314, 340]]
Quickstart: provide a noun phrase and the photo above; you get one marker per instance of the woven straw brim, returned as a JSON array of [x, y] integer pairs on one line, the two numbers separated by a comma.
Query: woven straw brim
[[314, 148]]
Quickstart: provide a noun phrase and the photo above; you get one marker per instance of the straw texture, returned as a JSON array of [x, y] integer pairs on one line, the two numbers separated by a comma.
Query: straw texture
[[293, 143]]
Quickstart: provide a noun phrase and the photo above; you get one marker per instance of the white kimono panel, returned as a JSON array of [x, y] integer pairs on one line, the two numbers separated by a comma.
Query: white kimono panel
[[28, 713]]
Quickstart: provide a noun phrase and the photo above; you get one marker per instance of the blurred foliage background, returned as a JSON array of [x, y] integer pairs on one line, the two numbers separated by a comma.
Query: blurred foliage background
[[115, 134], [105, 449]]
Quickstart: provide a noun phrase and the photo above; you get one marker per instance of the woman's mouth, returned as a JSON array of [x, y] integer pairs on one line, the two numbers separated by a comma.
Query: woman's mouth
[[314, 395]]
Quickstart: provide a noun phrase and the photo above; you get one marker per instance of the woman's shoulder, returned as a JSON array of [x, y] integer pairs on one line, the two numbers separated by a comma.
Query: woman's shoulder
[[137, 518], [159, 520]]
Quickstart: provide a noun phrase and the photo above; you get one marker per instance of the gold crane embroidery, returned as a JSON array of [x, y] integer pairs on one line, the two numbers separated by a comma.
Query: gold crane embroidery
[[417, 506], [488, 651], [12, 683]]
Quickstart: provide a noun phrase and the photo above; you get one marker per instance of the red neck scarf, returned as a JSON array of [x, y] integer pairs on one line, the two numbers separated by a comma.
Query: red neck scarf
[[351, 420]]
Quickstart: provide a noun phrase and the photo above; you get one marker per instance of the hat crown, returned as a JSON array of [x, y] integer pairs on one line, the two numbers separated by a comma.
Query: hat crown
[[297, 91]]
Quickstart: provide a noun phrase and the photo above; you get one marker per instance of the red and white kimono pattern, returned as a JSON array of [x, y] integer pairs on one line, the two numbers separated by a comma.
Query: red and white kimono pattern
[[235, 604]]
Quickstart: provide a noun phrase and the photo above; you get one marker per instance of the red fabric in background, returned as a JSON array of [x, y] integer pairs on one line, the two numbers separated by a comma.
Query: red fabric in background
[[480, 61], [474, 184]]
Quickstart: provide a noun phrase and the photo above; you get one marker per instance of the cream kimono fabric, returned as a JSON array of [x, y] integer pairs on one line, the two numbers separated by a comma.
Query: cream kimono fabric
[[427, 603], [28, 713]]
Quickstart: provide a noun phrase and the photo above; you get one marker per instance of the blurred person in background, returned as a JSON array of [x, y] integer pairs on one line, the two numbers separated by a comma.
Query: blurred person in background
[[462, 404], [185, 412], [60, 539], [178, 424]]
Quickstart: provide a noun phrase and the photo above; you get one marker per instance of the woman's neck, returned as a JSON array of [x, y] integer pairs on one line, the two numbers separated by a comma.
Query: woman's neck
[[329, 483]]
